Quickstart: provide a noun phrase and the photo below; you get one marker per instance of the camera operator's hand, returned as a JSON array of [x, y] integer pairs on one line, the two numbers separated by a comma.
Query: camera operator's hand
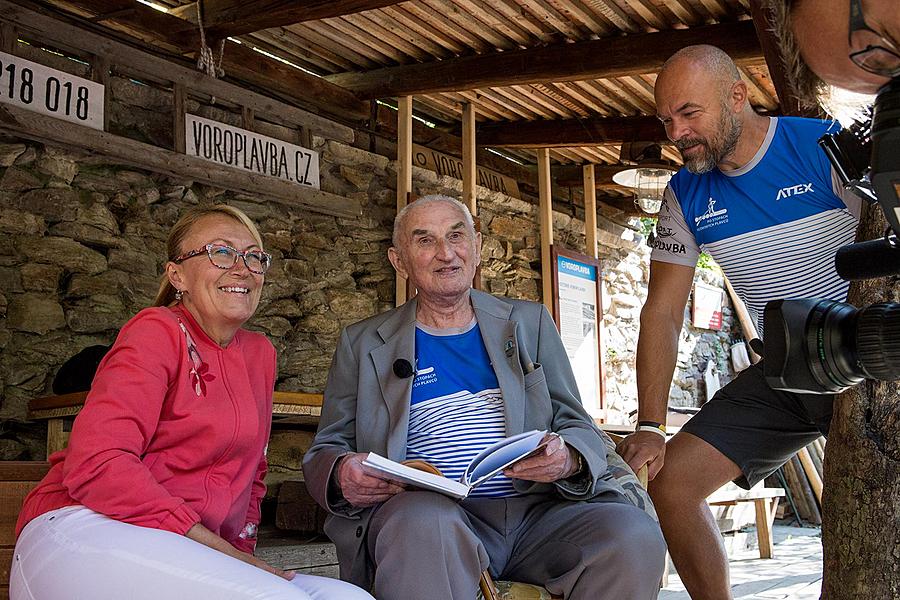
[[644, 448]]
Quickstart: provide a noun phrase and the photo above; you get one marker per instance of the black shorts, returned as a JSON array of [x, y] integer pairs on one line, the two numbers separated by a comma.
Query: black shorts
[[759, 428]]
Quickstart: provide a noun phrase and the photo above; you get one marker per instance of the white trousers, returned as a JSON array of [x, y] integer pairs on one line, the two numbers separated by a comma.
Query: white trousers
[[74, 553]]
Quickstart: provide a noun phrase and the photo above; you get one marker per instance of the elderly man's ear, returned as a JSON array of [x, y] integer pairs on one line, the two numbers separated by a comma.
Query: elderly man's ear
[[397, 260]]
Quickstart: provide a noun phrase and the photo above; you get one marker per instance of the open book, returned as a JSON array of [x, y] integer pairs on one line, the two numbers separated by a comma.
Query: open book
[[491, 461]]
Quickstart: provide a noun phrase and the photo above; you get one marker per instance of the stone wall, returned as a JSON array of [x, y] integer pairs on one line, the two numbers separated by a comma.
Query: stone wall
[[84, 244]]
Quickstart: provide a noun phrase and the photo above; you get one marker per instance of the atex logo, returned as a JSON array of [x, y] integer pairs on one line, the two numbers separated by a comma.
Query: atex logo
[[793, 190]]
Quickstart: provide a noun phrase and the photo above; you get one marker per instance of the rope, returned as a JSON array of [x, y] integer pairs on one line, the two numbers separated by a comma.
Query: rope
[[206, 62]]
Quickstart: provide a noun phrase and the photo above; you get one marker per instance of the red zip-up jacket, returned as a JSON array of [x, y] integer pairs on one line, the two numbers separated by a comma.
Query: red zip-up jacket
[[168, 438]]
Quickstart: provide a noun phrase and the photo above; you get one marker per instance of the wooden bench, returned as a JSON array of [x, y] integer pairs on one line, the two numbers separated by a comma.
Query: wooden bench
[[58, 411], [766, 503], [16, 480]]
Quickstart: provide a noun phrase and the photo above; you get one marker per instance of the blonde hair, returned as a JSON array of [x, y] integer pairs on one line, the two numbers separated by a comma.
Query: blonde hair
[[166, 294], [807, 87]]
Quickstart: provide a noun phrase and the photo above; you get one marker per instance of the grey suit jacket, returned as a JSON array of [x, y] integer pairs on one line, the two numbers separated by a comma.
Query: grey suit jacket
[[366, 408]]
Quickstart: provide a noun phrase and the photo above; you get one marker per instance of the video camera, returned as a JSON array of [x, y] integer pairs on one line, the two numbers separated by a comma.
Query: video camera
[[822, 346]]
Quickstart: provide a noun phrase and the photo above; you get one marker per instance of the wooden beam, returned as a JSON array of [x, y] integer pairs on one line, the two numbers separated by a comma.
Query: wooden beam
[[58, 31], [573, 176], [468, 157], [595, 59], [762, 22], [178, 113], [223, 18], [239, 61], [404, 172], [546, 223], [590, 212], [571, 132], [119, 150]]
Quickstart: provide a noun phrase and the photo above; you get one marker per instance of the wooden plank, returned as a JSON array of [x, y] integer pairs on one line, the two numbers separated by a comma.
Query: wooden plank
[[298, 556], [178, 113], [404, 174], [730, 496], [75, 399], [12, 493], [6, 556], [57, 437], [239, 61], [9, 38], [627, 55], [468, 156], [571, 132], [815, 516], [23, 470], [124, 151], [590, 211], [765, 515], [223, 18], [297, 398], [546, 225], [815, 480]]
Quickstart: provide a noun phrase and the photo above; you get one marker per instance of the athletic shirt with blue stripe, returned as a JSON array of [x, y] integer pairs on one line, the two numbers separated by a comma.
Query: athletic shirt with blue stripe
[[456, 407], [773, 225]]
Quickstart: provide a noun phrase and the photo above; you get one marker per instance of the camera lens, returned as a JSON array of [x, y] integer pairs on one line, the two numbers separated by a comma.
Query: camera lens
[[824, 346], [846, 345]]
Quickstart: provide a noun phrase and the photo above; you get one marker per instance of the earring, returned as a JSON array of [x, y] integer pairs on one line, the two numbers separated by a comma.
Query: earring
[[178, 295]]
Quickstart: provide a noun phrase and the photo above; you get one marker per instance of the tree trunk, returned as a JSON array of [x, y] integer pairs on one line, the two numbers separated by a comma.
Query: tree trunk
[[861, 504]]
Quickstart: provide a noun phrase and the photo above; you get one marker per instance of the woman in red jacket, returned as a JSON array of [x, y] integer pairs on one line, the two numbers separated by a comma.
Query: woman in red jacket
[[158, 493]]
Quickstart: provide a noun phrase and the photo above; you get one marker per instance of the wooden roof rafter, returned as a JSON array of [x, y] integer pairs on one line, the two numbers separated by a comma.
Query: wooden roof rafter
[[628, 55], [224, 18]]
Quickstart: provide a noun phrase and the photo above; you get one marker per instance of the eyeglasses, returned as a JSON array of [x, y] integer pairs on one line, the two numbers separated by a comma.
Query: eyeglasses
[[225, 257], [879, 55]]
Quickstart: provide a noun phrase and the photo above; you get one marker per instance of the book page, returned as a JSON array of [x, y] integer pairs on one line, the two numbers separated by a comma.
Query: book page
[[404, 474], [502, 454]]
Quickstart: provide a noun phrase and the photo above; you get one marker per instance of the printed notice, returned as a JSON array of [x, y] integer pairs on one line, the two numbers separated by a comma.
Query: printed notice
[[249, 151], [50, 92], [578, 304], [707, 308]]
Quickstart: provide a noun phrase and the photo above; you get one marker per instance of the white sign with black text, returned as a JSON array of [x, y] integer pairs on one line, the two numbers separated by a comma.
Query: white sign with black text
[[578, 304], [249, 151], [50, 92]]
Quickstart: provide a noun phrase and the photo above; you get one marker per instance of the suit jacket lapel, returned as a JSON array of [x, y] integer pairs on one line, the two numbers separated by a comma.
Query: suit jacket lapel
[[399, 335], [501, 343]]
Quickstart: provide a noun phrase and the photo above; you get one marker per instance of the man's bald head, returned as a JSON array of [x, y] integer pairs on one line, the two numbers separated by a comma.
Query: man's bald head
[[711, 61]]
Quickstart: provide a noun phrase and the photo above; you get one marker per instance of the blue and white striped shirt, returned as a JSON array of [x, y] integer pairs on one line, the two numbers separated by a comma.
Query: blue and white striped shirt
[[456, 408], [773, 225]]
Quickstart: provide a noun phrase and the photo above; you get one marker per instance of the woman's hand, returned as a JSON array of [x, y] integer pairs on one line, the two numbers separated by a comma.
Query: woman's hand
[[201, 534]]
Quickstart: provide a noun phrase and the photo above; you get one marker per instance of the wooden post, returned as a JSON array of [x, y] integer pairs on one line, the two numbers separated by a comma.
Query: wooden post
[[9, 38], [468, 156], [179, 94], [404, 171], [815, 480], [747, 325], [546, 215], [590, 212], [248, 118], [765, 516], [100, 74]]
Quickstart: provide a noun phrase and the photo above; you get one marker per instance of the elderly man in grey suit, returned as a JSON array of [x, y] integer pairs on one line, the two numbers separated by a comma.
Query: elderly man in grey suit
[[439, 379]]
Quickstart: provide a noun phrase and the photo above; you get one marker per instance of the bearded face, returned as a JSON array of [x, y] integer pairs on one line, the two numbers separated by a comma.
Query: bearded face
[[701, 154]]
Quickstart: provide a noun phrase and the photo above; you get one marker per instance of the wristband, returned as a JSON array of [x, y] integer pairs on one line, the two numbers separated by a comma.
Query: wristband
[[655, 428]]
